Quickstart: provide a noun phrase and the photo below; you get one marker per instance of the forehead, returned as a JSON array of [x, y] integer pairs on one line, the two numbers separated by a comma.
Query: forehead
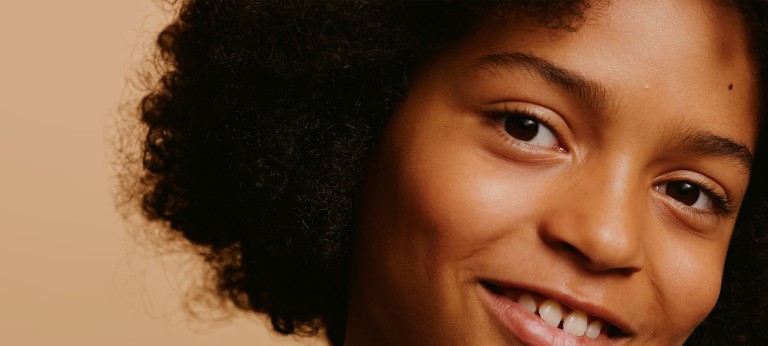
[[679, 57]]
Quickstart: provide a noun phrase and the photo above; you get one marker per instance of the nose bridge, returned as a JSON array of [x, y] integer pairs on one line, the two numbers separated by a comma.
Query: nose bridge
[[599, 219]]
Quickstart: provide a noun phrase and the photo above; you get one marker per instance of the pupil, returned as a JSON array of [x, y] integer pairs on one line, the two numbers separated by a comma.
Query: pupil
[[683, 192], [522, 128]]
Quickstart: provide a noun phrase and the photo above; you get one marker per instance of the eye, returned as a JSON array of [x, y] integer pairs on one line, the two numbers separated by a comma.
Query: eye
[[529, 129], [689, 194]]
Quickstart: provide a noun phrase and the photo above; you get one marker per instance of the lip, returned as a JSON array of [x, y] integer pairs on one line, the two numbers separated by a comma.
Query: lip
[[532, 330]]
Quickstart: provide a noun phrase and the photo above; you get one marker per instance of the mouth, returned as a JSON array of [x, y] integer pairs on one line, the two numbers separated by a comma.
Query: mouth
[[537, 319]]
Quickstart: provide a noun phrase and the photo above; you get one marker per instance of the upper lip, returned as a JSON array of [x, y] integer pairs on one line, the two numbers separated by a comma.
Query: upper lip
[[573, 302]]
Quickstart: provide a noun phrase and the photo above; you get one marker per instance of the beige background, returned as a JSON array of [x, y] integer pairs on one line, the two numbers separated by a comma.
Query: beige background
[[70, 273]]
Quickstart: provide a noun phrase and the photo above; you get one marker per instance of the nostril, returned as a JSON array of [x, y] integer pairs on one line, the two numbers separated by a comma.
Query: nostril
[[594, 248], [589, 262], [575, 252], [570, 248], [566, 247]]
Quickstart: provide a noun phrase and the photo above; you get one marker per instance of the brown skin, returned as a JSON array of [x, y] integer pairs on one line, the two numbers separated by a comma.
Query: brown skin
[[454, 200]]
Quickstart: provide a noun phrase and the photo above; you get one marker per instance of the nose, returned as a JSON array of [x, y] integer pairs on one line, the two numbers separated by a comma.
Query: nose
[[599, 223]]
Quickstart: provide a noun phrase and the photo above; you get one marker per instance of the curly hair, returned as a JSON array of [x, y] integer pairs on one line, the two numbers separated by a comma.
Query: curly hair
[[258, 131]]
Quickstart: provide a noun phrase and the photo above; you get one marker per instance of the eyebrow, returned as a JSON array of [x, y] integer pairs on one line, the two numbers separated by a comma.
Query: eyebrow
[[594, 95], [706, 143], [590, 92]]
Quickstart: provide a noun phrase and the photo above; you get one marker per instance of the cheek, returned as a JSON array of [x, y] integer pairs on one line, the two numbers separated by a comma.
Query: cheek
[[454, 210], [692, 278], [455, 200]]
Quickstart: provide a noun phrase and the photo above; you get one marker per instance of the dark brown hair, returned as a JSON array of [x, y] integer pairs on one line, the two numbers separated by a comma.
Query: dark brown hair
[[259, 127]]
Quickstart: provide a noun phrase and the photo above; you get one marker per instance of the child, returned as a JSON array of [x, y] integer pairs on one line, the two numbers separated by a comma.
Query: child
[[523, 172]]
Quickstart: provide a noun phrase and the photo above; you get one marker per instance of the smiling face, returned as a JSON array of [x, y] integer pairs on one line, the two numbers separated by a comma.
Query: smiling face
[[588, 180]]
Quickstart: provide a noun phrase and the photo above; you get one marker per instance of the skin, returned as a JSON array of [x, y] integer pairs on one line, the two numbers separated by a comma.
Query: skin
[[453, 201]]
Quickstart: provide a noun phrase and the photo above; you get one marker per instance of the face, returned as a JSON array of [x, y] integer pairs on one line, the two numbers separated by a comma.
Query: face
[[550, 187]]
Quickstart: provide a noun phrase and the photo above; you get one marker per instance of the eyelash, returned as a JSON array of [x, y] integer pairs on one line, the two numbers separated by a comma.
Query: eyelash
[[722, 205], [499, 114]]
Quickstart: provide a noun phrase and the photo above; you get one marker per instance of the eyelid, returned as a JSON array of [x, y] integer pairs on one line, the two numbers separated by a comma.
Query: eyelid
[[723, 205], [537, 113]]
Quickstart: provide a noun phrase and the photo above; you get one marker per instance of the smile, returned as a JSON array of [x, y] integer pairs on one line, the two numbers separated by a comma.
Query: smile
[[536, 319]]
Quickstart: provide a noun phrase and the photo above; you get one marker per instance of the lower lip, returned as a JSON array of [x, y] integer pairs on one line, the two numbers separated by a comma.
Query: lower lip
[[528, 327]]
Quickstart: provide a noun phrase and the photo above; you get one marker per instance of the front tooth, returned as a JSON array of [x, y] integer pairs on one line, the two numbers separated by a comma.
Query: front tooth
[[551, 312], [593, 330], [527, 302], [575, 323]]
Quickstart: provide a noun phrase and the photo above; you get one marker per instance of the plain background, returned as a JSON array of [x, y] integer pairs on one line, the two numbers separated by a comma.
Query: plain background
[[70, 272]]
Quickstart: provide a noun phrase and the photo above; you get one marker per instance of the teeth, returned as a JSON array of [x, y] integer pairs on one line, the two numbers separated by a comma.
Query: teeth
[[527, 302], [576, 323], [593, 330], [551, 312]]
